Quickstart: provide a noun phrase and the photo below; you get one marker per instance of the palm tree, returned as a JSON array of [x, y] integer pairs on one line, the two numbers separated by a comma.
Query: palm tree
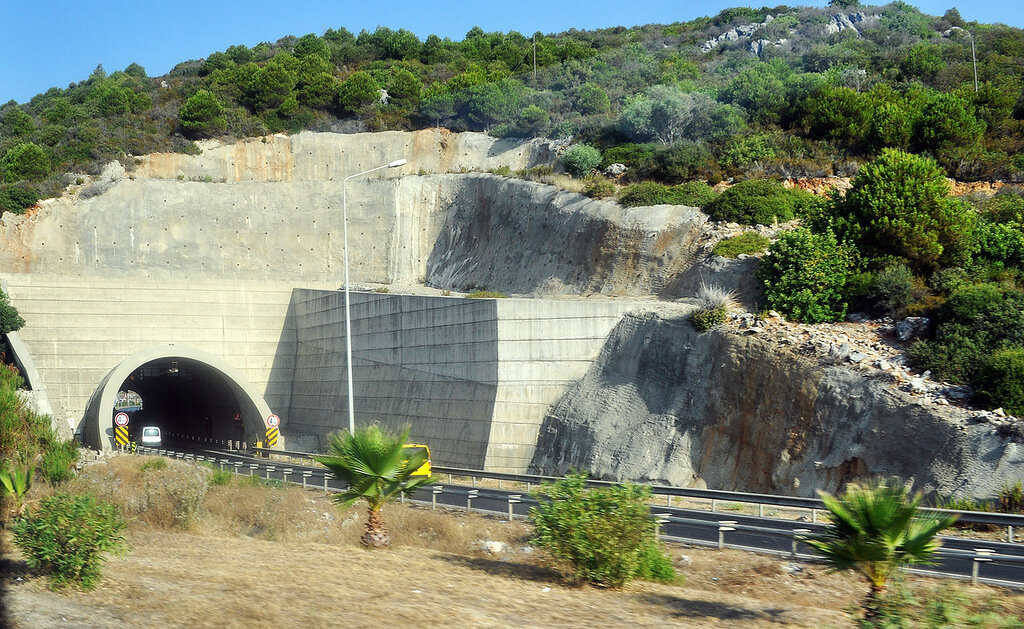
[[875, 529], [376, 468]]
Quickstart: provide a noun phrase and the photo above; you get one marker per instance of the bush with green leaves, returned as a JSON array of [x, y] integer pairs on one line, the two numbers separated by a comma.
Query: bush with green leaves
[[10, 320], [633, 156], [899, 206], [18, 197], [975, 322], [66, 535], [202, 115], [749, 243], [598, 187], [1000, 380], [601, 536], [25, 161], [693, 194], [26, 436], [580, 159], [805, 275], [759, 201], [1000, 242], [704, 319], [58, 462], [645, 193], [892, 290]]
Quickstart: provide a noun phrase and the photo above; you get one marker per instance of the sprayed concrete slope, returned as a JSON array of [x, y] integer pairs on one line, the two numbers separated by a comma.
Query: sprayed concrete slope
[[666, 404], [272, 210]]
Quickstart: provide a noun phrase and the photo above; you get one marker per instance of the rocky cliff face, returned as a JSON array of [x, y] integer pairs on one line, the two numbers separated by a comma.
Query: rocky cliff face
[[723, 410], [523, 237]]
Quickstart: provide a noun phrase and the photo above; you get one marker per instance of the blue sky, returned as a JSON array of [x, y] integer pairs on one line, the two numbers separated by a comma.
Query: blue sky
[[55, 42]]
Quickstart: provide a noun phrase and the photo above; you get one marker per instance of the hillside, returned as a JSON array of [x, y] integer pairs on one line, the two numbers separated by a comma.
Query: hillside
[[747, 92], [651, 172]]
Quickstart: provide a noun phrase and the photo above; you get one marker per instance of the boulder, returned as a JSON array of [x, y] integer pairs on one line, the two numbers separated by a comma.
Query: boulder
[[912, 328], [615, 170]]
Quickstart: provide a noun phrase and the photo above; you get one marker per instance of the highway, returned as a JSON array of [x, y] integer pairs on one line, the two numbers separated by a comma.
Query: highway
[[692, 526]]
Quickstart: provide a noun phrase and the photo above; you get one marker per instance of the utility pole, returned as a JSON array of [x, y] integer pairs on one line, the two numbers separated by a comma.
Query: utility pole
[[535, 61], [974, 57]]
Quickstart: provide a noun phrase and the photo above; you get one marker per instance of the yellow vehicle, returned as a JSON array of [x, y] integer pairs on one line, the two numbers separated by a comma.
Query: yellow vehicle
[[423, 470]]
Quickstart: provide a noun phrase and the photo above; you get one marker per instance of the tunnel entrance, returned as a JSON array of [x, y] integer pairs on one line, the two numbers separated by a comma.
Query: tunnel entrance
[[183, 397], [190, 395]]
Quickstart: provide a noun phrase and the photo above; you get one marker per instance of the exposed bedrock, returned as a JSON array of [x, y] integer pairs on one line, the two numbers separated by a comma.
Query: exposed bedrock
[[665, 404], [524, 237]]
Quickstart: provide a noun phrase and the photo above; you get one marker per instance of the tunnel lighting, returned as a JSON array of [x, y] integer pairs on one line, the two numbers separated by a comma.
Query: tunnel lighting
[[348, 315]]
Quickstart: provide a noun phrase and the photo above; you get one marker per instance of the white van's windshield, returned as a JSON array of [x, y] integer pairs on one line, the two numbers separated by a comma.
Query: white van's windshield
[[150, 432]]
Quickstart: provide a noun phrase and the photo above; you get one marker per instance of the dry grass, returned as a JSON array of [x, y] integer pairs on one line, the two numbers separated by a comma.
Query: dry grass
[[264, 556]]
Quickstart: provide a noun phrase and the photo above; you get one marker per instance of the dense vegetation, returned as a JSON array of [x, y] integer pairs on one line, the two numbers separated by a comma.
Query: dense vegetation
[[809, 102]]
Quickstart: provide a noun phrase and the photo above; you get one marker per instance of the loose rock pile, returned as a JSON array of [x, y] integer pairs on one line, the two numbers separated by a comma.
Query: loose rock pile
[[875, 347]]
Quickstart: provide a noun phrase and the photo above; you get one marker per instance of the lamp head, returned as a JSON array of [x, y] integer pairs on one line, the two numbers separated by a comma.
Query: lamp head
[[397, 163]]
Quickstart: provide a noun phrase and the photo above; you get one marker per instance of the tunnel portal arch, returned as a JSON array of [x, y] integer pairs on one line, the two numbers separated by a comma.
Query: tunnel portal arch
[[99, 423]]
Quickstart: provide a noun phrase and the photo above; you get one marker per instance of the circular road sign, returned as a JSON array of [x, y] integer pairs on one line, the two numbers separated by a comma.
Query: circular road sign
[[273, 421], [121, 419]]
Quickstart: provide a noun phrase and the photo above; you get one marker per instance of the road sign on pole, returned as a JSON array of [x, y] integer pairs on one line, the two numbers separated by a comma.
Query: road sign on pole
[[121, 419], [273, 421], [121, 435]]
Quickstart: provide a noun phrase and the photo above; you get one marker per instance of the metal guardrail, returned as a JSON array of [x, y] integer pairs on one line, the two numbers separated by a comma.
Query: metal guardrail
[[812, 504]]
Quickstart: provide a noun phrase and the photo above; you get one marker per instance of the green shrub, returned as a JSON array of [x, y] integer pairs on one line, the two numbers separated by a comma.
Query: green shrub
[[747, 149], [1000, 381], [655, 565], [17, 198], [59, 458], [805, 276], [486, 294], [749, 243], [643, 194], [892, 290], [680, 162], [707, 318], [634, 156], [598, 187], [692, 193], [10, 320], [221, 477], [66, 535], [1011, 498], [757, 201], [899, 205], [580, 159], [202, 115], [600, 536], [1000, 242], [23, 434], [974, 323], [155, 463]]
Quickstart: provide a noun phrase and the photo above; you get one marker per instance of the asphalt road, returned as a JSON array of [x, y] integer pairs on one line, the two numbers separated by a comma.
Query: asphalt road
[[759, 534]]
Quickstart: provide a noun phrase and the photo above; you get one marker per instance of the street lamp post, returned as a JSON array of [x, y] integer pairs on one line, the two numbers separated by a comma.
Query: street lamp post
[[348, 313]]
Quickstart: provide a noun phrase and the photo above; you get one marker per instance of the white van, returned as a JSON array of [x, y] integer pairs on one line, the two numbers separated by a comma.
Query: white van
[[151, 436]]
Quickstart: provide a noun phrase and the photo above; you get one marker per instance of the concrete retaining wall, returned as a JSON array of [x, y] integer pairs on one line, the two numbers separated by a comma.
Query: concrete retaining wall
[[473, 377], [78, 329]]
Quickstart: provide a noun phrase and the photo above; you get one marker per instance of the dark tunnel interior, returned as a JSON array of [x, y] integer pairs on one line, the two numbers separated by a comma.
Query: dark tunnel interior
[[181, 396]]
